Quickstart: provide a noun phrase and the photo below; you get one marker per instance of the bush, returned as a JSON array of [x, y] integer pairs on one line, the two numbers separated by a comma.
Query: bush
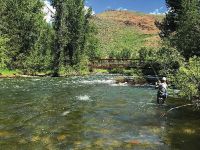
[[187, 79], [4, 58], [146, 54], [169, 59], [82, 67], [125, 54]]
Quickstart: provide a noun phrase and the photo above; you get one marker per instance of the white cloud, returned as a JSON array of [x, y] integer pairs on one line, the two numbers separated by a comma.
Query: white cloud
[[158, 11], [121, 8], [49, 11], [108, 7], [86, 8]]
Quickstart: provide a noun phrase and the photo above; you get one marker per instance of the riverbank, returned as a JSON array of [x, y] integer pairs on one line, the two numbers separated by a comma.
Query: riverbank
[[17, 73], [123, 77]]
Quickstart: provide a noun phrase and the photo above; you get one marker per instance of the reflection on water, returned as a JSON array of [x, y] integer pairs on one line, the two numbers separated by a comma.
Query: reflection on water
[[89, 113]]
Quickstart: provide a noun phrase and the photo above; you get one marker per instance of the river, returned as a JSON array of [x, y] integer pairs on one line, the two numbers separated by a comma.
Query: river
[[90, 113]]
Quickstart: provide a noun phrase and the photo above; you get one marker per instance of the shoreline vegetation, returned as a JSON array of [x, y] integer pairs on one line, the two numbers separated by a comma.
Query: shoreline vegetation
[[122, 77]]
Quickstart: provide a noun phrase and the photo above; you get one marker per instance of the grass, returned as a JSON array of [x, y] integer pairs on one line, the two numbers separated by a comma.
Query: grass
[[116, 36], [7, 72], [102, 71]]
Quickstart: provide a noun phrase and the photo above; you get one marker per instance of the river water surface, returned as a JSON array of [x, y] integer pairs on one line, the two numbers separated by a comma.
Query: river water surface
[[90, 113]]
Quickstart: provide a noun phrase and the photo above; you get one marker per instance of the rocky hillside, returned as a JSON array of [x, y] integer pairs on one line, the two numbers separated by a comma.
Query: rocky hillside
[[119, 30]]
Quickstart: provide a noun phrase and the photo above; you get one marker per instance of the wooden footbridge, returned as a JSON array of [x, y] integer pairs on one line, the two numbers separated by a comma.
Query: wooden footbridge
[[119, 63]]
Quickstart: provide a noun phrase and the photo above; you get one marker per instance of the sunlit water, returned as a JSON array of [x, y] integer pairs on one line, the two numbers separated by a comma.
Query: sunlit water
[[89, 113]]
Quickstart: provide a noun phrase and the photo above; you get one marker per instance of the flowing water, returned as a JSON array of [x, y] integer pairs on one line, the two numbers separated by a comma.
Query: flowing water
[[89, 113]]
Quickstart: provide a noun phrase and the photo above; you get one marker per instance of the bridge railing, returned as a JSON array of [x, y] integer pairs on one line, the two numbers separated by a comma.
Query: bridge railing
[[116, 63]]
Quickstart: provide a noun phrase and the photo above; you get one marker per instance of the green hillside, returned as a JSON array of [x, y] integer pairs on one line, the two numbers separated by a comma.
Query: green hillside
[[120, 30]]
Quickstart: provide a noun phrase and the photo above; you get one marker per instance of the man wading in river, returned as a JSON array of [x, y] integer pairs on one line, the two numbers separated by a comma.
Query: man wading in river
[[162, 91]]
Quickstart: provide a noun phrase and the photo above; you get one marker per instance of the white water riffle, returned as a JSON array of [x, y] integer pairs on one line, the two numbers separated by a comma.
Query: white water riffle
[[83, 98], [110, 82], [98, 81]]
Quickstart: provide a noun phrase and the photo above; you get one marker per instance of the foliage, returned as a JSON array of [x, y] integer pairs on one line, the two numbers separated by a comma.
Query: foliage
[[113, 54], [182, 26], [61, 36], [147, 53], [92, 44], [7, 72], [4, 59], [171, 22], [125, 54], [75, 22], [187, 36], [187, 79], [73, 34], [169, 59], [181, 30], [115, 37], [82, 67], [163, 61], [21, 23], [39, 60]]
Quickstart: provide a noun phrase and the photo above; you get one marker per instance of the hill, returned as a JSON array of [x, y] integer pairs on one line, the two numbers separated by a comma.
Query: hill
[[119, 30]]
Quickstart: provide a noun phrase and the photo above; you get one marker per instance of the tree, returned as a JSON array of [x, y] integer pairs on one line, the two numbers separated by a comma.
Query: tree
[[72, 33], [4, 49], [61, 33], [40, 59], [188, 80], [170, 23], [187, 36], [182, 26], [169, 59], [75, 22], [92, 43], [20, 21]]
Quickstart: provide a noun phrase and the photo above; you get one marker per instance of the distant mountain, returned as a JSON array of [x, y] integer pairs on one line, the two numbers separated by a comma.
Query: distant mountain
[[120, 30]]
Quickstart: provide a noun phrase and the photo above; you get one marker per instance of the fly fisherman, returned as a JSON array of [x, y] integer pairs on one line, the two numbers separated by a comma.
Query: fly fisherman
[[162, 91]]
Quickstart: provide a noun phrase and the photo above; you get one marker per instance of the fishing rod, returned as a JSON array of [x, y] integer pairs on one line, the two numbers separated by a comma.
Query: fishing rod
[[155, 72]]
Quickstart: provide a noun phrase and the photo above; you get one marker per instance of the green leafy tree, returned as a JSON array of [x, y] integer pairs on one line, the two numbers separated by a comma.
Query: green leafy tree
[[75, 23], [73, 33], [187, 36], [4, 49], [182, 26], [169, 59], [147, 54], [20, 21], [171, 22], [39, 60], [61, 33], [188, 80], [92, 49]]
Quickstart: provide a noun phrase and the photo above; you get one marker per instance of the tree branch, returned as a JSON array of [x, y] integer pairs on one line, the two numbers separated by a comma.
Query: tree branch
[[164, 114]]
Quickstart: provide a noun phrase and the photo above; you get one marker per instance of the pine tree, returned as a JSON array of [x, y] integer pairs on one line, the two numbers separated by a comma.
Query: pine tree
[[187, 36], [170, 22], [182, 26]]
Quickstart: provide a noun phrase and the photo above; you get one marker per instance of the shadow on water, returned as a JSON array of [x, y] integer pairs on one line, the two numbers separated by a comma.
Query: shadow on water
[[89, 113]]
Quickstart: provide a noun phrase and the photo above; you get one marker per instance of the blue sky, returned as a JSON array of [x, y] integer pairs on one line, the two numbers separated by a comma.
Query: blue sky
[[146, 6]]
